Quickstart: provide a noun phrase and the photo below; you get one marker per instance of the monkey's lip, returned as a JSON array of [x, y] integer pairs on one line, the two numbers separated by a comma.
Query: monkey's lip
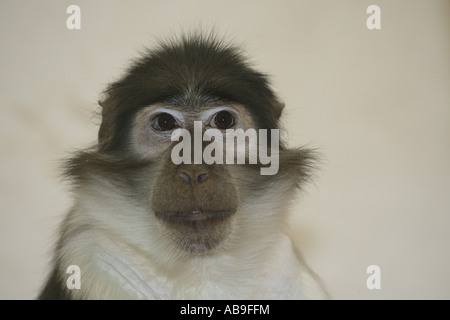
[[195, 215]]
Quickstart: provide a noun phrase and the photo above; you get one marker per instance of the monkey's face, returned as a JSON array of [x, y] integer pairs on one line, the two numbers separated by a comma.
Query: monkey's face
[[195, 203]]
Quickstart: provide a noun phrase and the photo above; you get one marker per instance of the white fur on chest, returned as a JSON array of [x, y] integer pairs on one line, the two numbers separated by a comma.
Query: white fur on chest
[[120, 271]]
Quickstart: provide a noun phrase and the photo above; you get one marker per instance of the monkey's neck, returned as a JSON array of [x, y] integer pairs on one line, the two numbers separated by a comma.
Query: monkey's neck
[[112, 269]]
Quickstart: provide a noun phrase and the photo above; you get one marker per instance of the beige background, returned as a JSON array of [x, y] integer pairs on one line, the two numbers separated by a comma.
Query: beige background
[[375, 103]]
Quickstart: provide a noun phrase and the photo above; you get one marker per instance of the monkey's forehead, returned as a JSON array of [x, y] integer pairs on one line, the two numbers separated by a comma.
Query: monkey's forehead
[[195, 67], [192, 101]]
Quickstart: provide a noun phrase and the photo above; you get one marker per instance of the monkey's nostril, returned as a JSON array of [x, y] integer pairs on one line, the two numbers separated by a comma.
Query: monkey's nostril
[[192, 176], [202, 177], [185, 177]]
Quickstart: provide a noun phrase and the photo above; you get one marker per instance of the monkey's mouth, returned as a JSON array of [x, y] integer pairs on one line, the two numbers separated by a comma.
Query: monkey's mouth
[[195, 215], [197, 231]]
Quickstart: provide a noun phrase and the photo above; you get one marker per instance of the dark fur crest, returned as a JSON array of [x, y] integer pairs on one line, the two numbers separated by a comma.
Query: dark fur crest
[[187, 70]]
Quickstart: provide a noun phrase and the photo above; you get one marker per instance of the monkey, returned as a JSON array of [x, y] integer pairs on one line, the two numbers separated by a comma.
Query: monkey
[[144, 227]]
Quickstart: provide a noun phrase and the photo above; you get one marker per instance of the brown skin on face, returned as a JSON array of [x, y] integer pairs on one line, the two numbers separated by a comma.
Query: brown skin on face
[[196, 202]]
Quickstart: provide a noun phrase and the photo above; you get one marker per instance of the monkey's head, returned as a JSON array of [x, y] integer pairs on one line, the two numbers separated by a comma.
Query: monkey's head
[[197, 208]]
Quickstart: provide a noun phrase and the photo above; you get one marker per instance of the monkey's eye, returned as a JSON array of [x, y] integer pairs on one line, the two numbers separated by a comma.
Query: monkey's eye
[[224, 120], [163, 122]]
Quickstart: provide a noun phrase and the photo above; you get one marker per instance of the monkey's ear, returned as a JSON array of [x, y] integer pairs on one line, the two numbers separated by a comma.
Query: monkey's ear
[[278, 108], [102, 102], [108, 124]]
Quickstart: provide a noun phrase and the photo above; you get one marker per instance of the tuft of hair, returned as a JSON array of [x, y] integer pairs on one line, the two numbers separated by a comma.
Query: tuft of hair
[[186, 70]]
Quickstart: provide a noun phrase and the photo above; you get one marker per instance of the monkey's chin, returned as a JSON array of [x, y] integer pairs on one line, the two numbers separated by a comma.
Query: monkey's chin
[[198, 231]]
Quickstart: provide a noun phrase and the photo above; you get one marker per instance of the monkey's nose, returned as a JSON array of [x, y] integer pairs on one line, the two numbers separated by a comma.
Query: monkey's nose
[[190, 177]]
